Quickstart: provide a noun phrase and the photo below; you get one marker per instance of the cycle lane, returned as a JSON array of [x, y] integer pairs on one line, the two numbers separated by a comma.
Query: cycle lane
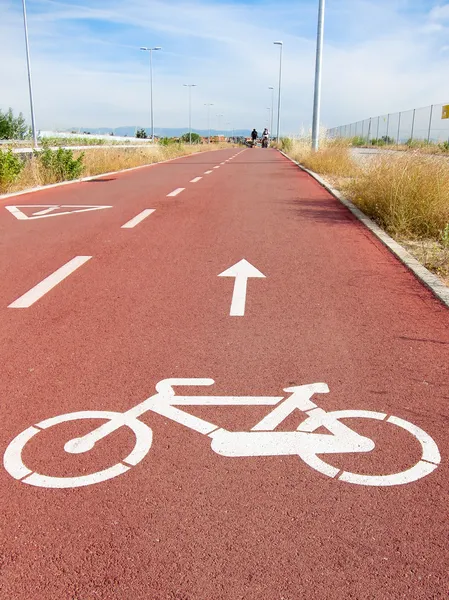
[[187, 521], [33, 248]]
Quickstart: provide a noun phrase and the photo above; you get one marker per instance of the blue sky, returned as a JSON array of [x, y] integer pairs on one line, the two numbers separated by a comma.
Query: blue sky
[[380, 56]]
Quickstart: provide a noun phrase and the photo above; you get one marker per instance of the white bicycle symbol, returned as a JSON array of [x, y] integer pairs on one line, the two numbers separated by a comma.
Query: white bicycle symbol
[[262, 440]]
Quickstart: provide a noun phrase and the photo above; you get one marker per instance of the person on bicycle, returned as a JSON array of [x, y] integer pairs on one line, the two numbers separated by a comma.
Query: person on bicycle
[[265, 138], [254, 135]]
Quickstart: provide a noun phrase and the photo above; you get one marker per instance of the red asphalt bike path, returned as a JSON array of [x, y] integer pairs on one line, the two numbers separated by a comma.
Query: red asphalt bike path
[[187, 523], [46, 244]]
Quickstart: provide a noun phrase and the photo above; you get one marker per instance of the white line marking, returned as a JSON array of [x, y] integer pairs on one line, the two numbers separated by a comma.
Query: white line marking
[[49, 283], [196, 180], [46, 211], [137, 219], [175, 193], [241, 271], [45, 214], [208, 172], [216, 167]]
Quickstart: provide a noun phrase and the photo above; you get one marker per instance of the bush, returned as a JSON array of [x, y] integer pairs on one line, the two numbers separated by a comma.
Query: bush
[[358, 140], [196, 138], [59, 165], [141, 134], [10, 167], [166, 141], [13, 128]]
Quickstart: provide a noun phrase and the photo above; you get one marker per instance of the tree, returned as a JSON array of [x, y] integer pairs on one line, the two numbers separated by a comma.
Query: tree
[[11, 127], [196, 138], [141, 134]]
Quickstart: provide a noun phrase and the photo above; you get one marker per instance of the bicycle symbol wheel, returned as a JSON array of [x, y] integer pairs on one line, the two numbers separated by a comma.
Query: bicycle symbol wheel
[[430, 458], [15, 466]]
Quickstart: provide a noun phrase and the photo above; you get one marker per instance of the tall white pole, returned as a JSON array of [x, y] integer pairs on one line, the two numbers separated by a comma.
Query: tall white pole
[[150, 50], [30, 86], [318, 65], [151, 95], [190, 86], [190, 115], [281, 44], [272, 109]]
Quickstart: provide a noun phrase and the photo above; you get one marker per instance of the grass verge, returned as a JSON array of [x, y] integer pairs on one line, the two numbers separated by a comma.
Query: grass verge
[[406, 194], [96, 161]]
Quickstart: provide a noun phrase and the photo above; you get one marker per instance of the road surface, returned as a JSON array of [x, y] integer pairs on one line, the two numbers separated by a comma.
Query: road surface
[[232, 266]]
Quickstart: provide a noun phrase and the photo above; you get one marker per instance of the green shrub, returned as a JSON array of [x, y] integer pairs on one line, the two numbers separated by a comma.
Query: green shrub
[[59, 165], [444, 146], [358, 140], [166, 141], [13, 128], [10, 167], [196, 138]]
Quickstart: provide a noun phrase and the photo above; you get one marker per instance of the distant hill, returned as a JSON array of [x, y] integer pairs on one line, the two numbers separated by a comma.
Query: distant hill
[[160, 132]]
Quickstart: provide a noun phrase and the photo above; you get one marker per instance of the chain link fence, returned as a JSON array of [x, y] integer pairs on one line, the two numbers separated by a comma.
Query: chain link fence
[[416, 125]]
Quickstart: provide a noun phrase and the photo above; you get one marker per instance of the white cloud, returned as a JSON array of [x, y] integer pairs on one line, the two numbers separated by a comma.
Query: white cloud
[[88, 70], [440, 13]]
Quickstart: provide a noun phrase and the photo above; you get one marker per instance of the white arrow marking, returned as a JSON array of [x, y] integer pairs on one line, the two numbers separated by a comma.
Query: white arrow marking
[[242, 271]]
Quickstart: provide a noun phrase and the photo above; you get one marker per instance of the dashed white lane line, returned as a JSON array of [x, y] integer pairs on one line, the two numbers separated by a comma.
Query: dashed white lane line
[[208, 172], [175, 192], [49, 283], [217, 167], [196, 180], [137, 219]]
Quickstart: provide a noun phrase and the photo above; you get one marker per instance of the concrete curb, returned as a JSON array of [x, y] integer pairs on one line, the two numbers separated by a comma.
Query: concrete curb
[[92, 177], [431, 281]]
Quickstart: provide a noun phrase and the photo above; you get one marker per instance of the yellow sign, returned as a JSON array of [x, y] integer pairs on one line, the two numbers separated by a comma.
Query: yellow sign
[[445, 114]]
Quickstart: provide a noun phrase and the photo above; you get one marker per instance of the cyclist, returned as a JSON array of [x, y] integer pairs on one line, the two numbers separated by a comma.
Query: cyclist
[[254, 136], [265, 137]]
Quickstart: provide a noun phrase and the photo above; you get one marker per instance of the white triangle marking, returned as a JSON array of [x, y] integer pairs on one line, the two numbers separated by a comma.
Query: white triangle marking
[[50, 208]]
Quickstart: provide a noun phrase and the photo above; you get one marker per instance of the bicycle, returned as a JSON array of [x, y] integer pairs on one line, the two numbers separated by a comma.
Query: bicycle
[[261, 440]]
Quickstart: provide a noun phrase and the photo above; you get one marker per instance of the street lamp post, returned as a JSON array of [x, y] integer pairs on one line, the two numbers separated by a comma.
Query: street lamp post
[[151, 50], [208, 118], [272, 108], [268, 118], [319, 62], [228, 123], [281, 45], [30, 86], [190, 86]]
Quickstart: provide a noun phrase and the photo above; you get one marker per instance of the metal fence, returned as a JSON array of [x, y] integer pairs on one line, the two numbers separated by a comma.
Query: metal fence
[[418, 124]]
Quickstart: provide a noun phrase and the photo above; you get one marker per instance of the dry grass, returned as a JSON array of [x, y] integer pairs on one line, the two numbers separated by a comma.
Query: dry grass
[[408, 195], [333, 158], [432, 254], [107, 159]]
